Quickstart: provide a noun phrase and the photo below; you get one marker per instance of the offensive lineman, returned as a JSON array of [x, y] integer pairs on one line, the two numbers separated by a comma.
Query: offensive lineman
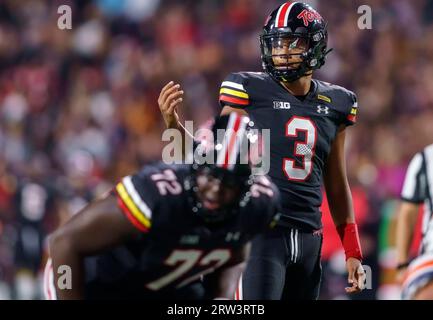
[[165, 227]]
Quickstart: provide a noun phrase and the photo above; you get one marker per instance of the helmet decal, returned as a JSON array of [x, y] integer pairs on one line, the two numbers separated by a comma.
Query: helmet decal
[[283, 14], [309, 16]]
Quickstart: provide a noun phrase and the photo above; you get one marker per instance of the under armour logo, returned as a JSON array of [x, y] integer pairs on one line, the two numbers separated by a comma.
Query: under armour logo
[[321, 109]]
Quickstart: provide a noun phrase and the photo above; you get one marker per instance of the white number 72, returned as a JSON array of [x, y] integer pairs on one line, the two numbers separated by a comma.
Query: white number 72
[[188, 259]]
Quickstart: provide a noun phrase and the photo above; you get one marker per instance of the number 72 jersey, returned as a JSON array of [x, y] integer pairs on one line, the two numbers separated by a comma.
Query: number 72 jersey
[[176, 246], [301, 135]]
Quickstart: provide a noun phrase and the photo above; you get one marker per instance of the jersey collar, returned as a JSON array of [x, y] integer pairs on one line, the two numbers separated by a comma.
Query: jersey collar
[[310, 95]]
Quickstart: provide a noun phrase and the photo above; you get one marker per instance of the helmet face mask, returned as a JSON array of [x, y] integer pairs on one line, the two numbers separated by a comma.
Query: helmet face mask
[[293, 46], [287, 51], [219, 189], [217, 193]]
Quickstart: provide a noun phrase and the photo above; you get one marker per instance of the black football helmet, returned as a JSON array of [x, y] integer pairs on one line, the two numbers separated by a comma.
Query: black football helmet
[[296, 25], [230, 165]]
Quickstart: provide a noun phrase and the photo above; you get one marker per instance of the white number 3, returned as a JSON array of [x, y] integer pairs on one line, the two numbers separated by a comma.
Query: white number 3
[[303, 149]]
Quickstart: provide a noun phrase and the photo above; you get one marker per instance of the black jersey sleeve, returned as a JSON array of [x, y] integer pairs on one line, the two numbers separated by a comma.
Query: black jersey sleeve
[[340, 99], [142, 194], [352, 109], [233, 91], [415, 184], [135, 201]]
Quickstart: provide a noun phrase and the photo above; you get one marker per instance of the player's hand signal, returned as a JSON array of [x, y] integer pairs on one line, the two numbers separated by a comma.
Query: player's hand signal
[[356, 276], [169, 99]]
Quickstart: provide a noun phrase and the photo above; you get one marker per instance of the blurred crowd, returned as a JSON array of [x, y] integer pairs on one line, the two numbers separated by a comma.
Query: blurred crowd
[[78, 107]]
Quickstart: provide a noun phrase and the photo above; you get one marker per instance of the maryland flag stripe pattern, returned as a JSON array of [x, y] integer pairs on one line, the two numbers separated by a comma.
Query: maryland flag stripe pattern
[[234, 93], [353, 113], [132, 205]]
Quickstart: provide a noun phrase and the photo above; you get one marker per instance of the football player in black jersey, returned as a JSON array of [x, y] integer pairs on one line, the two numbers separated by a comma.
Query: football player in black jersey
[[160, 230], [308, 120]]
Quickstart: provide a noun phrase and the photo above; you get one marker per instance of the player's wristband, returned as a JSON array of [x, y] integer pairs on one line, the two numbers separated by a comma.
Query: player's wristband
[[350, 239]]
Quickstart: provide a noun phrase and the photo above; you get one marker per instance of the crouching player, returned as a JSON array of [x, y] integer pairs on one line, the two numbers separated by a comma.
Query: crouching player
[[163, 228]]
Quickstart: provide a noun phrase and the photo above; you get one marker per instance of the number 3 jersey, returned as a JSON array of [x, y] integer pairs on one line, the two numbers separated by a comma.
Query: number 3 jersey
[[175, 246], [301, 134]]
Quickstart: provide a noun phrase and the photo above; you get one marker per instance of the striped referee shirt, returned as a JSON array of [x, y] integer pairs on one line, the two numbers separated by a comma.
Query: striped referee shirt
[[418, 188]]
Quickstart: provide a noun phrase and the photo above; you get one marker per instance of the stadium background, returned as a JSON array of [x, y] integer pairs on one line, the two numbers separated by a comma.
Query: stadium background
[[78, 109]]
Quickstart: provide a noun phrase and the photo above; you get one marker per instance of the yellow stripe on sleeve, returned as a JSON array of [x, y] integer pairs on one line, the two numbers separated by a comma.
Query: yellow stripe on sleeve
[[132, 206], [235, 93]]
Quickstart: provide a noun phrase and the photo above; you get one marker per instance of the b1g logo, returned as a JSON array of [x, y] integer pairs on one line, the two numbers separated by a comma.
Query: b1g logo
[[309, 16], [281, 105]]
